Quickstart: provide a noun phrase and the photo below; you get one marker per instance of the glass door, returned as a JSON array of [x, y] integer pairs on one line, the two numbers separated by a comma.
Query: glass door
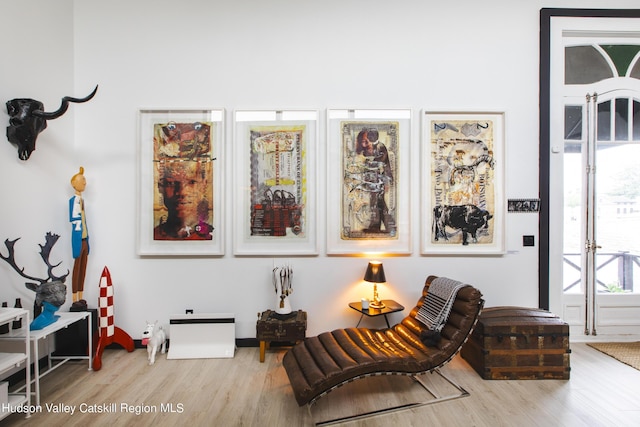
[[594, 243], [616, 192], [601, 209], [601, 184]]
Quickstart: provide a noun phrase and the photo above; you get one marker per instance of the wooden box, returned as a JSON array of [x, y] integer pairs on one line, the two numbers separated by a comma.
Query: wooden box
[[282, 328], [516, 343], [274, 327]]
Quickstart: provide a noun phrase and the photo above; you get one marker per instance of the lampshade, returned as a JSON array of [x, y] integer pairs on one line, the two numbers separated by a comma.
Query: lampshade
[[375, 272]]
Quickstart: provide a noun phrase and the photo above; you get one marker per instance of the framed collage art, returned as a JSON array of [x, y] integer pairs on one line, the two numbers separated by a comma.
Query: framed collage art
[[463, 169], [368, 181], [273, 198], [180, 182], [275, 179]]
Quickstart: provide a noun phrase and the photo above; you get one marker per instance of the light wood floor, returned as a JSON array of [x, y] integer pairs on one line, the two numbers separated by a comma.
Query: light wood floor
[[243, 392]]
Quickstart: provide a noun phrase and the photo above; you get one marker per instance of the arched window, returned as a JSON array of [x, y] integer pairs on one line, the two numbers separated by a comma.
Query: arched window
[[619, 118]]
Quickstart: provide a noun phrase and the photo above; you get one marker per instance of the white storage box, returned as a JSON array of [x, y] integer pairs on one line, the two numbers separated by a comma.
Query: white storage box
[[201, 336]]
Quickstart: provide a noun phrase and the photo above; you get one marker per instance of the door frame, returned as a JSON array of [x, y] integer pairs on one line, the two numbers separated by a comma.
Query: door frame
[[546, 15]]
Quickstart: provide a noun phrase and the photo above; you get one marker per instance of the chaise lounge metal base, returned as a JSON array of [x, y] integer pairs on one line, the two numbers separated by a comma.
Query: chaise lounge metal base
[[318, 365], [436, 398]]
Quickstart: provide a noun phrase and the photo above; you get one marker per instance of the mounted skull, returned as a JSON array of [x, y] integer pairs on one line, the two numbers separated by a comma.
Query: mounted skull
[[27, 119]]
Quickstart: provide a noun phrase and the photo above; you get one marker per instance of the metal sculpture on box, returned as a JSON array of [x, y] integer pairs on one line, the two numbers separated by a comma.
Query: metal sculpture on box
[[51, 292], [283, 284], [27, 119]]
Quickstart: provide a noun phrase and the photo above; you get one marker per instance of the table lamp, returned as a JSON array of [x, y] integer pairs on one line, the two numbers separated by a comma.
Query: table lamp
[[375, 275]]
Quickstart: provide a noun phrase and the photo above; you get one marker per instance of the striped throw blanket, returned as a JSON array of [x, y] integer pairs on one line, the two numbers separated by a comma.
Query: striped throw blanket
[[438, 302]]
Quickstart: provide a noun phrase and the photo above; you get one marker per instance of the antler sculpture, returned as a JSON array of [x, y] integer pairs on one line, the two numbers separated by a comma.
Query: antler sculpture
[[45, 253], [51, 290]]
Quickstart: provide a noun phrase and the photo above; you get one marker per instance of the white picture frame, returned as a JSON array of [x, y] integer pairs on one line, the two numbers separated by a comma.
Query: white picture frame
[[275, 166], [462, 194], [155, 150], [368, 216]]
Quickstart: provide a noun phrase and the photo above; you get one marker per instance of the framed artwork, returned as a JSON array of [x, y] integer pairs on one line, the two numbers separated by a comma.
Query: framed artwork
[[180, 182], [275, 182], [463, 202], [368, 181]]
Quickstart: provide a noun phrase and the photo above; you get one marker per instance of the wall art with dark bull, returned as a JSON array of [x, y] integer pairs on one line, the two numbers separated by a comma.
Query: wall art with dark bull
[[464, 185], [27, 119]]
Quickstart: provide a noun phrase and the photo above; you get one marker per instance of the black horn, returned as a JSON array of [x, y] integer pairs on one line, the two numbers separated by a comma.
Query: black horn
[[27, 119], [64, 106]]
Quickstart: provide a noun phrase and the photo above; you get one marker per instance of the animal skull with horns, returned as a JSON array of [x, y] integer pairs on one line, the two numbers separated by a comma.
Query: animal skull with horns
[[27, 119]]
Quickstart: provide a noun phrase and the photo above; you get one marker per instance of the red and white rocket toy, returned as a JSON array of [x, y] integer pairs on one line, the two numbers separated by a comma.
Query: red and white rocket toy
[[109, 332]]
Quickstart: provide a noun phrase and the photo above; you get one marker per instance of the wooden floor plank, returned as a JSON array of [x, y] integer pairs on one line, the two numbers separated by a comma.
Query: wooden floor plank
[[244, 392]]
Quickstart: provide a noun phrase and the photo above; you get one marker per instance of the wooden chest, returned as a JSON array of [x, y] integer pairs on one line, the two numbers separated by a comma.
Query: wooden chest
[[516, 343], [274, 327]]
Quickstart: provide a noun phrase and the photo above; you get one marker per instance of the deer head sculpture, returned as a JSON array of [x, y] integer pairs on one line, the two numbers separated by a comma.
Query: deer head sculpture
[[51, 290]]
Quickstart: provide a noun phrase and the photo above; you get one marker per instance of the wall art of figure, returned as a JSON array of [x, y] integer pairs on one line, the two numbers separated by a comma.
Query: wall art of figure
[[183, 177], [370, 180]]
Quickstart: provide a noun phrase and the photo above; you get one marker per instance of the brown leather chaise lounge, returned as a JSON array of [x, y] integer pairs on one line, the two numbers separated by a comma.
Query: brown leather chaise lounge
[[317, 365]]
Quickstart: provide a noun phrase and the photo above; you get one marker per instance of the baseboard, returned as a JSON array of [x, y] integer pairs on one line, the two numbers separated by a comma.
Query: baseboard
[[240, 342]]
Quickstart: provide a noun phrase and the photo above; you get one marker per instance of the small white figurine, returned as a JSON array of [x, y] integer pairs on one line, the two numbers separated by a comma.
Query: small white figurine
[[153, 338]]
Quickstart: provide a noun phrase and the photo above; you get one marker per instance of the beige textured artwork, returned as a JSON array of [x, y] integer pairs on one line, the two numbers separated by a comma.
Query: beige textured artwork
[[370, 180], [278, 181], [463, 190]]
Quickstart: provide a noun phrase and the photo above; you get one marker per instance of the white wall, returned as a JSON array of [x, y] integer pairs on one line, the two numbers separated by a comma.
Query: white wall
[[458, 55], [37, 62]]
